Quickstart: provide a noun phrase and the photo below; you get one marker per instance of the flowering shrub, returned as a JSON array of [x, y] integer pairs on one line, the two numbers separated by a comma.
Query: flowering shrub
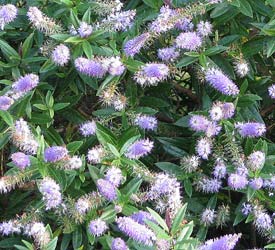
[[143, 124]]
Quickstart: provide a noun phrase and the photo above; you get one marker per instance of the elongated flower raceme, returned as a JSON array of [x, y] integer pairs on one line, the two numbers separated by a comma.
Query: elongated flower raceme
[[42, 22], [21, 160], [23, 138], [204, 28], [262, 222], [209, 185], [38, 232], [10, 227], [139, 149], [93, 68], [61, 55], [25, 83], [55, 153], [226, 242], [141, 217], [256, 160], [88, 128], [133, 46], [184, 24], [219, 81], [51, 193], [8, 13], [198, 123], [106, 189], [219, 170], [189, 41], [146, 122], [208, 216], [168, 54], [256, 183], [5, 102], [250, 129], [118, 21], [241, 67], [136, 231], [98, 227], [151, 74], [204, 148], [114, 65], [237, 181], [95, 154], [114, 176]]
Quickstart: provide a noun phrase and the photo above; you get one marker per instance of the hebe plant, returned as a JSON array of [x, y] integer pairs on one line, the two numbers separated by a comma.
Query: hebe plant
[[143, 124]]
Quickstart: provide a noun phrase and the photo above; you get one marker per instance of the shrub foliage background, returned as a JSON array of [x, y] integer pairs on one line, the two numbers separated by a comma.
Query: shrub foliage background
[[160, 138]]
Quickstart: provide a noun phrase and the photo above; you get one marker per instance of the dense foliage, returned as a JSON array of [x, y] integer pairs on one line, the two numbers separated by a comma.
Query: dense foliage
[[140, 124]]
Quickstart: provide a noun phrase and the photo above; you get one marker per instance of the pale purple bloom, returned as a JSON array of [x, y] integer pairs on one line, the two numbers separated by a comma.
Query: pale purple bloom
[[95, 154], [8, 13], [162, 244], [198, 123], [164, 21], [226, 242], [190, 163], [97, 227], [241, 68], [236, 181], [119, 244], [208, 216], [256, 183], [21, 160], [10, 227], [219, 81], [106, 189], [5, 102], [271, 91], [85, 30], [270, 184], [93, 68], [114, 176], [51, 193], [139, 149], [216, 112], [212, 129], [168, 54], [208, 185], [262, 221], [228, 110], [250, 129], [256, 160], [26, 83], [141, 217], [114, 65], [136, 231], [146, 122], [204, 28], [118, 21], [189, 41], [246, 209], [151, 74], [204, 148], [219, 171], [61, 55], [88, 128], [242, 170], [55, 153], [133, 46], [73, 162], [184, 24]]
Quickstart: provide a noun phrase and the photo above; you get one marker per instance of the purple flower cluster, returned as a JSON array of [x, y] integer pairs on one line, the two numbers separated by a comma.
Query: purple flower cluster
[[113, 65], [190, 41], [237, 181], [250, 129], [184, 24], [208, 216], [209, 185], [85, 30], [219, 170], [219, 81], [136, 231], [8, 13], [106, 189], [61, 55], [114, 176], [226, 242], [21, 160], [133, 46], [88, 128], [146, 122], [151, 74], [256, 160], [119, 244], [18, 89], [139, 149], [95, 154], [55, 153], [204, 28], [141, 217], [271, 91], [93, 68], [168, 54], [204, 148], [51, 193], [97, 227]]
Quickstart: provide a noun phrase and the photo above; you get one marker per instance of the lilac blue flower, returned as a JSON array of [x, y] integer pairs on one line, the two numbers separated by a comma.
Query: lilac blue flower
[[114, 176], [146, 122], [168, 54], [139, 149], [97, 227], [250, 129], [8, 13], [93, 68], [55, 153], [88, 128], [189, 41], [106, 189], [61, 55], [26, 83], [85, 30], [119, 244], [256, 183], [133, 46], [21, 160], [236, 181], [5, 102]]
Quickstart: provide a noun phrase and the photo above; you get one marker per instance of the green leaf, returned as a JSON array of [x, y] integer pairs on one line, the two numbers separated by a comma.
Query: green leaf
[[27, 45], [74, 146], [270, 47], [246, 8], [177, 222], [59, 106], [248, 100], [9, 242], [186, 231], [113, 150], [169, 168], [5, 115], [87, 48], [8, 50], [215, 50], [188, 187], [105, 135], [158, 219], [77, 238], [185, 61], [52, 244], [270, 246]]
